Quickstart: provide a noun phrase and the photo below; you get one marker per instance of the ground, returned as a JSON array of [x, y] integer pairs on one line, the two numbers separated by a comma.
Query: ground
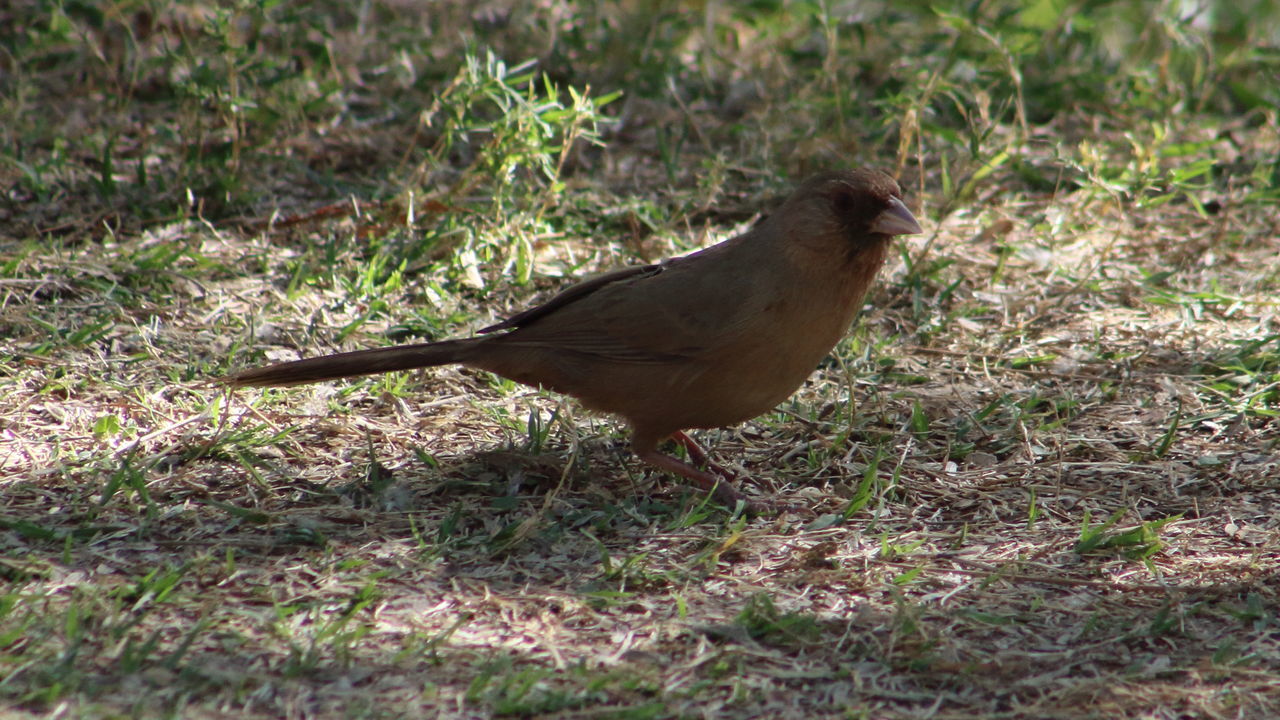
[[1037, 480]]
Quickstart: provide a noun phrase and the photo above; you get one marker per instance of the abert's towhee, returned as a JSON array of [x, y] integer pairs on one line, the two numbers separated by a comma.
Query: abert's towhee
[[701, 341]]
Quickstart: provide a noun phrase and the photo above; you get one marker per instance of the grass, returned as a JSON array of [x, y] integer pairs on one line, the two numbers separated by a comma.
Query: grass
[[1042, 467]]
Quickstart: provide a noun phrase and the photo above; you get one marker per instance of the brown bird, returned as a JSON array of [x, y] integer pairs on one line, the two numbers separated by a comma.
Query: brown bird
[[701, 341]]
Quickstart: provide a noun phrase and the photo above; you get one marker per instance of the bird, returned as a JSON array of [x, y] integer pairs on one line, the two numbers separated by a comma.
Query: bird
[[704, 340]]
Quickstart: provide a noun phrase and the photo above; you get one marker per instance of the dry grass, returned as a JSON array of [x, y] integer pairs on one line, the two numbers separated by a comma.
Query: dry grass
[[1042, 470]]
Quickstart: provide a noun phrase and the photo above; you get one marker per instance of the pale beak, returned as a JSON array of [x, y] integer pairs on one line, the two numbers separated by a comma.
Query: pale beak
[[896, 220]]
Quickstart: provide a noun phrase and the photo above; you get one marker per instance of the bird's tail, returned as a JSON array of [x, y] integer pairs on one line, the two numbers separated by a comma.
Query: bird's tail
[[351, 364]]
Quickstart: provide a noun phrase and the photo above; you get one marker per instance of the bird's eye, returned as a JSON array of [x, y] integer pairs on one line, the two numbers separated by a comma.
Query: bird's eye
[[844, 203]]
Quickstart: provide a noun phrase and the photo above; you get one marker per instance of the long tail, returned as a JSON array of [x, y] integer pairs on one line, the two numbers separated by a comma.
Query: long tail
[[351, 364]]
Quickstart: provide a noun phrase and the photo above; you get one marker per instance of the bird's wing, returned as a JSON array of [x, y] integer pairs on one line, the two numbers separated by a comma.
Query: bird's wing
[[574, 292], [648, 314]]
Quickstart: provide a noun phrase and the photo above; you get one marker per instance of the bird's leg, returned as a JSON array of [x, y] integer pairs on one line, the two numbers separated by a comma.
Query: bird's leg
[[646, 448], [719, 487], [700, 457]]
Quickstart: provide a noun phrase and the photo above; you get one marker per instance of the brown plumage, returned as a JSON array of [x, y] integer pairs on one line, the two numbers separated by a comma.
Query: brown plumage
[[706, 340]]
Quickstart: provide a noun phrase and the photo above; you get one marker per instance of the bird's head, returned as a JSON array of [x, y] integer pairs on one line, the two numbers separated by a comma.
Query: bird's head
[[866, 205], [851, 210]]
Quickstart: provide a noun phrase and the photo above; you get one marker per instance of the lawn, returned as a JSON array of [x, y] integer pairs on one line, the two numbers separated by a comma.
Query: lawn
[[1040, 477]]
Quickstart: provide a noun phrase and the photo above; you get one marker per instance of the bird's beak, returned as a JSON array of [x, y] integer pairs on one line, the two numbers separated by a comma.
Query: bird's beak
[[896, 220]]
